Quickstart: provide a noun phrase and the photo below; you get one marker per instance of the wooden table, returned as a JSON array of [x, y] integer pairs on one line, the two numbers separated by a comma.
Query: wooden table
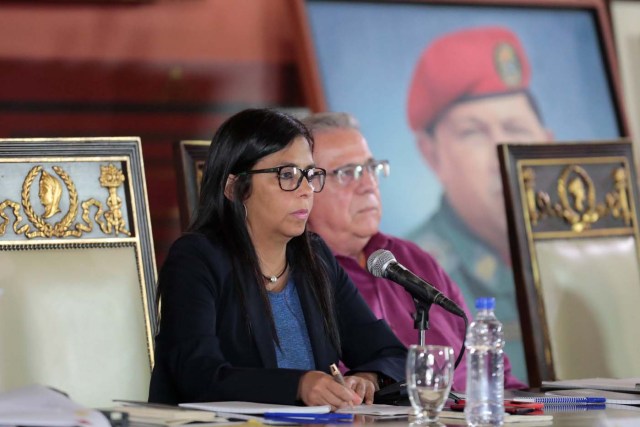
[[617, 416]]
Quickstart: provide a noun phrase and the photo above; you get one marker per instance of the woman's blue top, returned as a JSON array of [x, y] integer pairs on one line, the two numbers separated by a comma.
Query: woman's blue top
[[295, 347]]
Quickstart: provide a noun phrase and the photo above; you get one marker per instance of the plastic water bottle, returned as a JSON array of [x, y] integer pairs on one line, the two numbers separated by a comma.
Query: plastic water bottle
[[485, 367]]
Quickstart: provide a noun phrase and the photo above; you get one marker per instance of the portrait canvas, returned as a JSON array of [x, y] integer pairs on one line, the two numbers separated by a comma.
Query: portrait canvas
[[365, 55], [625, 16]]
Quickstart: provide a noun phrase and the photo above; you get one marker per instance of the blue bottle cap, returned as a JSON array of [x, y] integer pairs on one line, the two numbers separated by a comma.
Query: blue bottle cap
[[485, 303]]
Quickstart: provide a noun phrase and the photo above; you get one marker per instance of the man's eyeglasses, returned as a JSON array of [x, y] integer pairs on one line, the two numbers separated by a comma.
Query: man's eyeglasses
[[290, 177], [350, 173]]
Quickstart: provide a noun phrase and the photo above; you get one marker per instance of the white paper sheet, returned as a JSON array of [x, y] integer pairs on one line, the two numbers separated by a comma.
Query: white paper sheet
[[37, 405], [237, 407]]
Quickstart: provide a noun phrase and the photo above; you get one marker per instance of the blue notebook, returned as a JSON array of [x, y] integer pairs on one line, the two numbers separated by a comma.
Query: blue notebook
[[609, 396], [556, 400]]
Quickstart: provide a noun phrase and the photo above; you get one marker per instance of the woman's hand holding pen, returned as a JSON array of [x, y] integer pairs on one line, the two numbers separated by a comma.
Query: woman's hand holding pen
[[362, 384], [319, 388]]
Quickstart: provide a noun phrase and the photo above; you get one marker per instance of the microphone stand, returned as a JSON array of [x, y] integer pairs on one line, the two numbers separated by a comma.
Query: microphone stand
[[421, 318], [421, 322]]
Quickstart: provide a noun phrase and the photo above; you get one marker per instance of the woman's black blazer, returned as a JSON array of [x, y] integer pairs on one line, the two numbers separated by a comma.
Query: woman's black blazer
[[210, 348]]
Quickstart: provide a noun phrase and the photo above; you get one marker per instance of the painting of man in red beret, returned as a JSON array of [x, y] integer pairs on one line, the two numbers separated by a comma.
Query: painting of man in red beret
[[436, 86], [470, 92]]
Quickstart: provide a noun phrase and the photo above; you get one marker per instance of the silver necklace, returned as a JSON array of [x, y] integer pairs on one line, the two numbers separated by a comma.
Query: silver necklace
[[274, 279]]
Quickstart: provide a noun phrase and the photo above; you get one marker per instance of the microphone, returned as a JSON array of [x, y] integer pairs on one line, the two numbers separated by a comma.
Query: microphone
[[382, 263]]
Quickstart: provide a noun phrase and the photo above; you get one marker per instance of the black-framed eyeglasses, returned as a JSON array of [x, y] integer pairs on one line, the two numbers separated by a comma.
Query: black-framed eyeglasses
[[290, 177], [350, 173]]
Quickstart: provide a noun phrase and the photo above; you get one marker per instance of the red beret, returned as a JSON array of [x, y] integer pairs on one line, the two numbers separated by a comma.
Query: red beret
[[463, 64]]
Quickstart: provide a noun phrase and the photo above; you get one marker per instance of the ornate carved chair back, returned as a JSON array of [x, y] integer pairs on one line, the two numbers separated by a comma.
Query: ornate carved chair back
[[573, 225], [77, 268]]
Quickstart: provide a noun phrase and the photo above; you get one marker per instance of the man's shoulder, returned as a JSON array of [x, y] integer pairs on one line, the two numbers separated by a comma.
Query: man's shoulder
[[425, 265], [404, 245], [410, 253]]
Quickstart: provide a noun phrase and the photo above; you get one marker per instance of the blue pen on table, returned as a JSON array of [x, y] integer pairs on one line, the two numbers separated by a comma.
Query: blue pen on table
[[306, 418]]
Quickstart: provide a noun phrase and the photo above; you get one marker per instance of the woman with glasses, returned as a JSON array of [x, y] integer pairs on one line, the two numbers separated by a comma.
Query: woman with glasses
[[253, 306]]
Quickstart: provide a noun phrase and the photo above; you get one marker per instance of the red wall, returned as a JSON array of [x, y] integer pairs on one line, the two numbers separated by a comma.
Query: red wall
[[164, 71]]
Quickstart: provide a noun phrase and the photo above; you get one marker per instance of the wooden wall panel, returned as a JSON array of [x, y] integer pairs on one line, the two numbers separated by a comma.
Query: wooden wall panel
[[160, 70], [152, 101]]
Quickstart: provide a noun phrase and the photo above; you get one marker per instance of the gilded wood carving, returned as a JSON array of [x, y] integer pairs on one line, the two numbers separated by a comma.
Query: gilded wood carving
[[50, 191], [576, 198]]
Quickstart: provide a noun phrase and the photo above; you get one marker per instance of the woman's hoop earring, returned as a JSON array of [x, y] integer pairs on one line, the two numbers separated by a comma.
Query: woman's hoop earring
[[246, 214]]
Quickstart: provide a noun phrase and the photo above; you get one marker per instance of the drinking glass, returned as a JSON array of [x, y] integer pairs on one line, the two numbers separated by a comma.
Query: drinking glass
[[429, 379]]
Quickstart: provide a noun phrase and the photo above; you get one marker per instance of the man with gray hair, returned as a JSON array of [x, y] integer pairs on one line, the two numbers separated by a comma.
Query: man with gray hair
[[347, 213]]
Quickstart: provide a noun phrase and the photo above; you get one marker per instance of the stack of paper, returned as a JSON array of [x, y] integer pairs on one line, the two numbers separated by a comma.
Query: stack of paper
[[236, 407], [273, 414], [627, 385], [608, 396], [378, 409], [530, 420], [38, 405], [150, 415], [623, 391]]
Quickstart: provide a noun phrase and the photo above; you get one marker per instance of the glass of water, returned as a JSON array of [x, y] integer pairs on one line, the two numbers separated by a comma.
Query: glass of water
[[429, 379]]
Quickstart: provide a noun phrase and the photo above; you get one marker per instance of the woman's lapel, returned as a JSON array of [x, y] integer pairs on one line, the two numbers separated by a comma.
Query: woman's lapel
[[260, 327]]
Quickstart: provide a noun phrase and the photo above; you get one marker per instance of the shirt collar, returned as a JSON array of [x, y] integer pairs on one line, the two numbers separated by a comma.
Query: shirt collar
[[377, 241]]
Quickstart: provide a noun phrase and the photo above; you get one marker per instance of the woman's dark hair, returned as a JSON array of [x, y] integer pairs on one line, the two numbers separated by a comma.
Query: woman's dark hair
[[237, 146]]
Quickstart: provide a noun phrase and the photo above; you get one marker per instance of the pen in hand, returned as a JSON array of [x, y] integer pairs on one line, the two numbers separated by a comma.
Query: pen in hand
[[337, 375]]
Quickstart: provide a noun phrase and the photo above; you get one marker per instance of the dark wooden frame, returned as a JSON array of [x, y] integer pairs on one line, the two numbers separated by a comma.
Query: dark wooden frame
[[530, 304], [188, 156]]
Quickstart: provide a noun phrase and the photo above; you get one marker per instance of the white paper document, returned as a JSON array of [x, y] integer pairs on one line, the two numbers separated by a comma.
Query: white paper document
[[628, 385], [171, 417], [530, 420], [614, 397], [40, 406], [237, 407], [377, 409]]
